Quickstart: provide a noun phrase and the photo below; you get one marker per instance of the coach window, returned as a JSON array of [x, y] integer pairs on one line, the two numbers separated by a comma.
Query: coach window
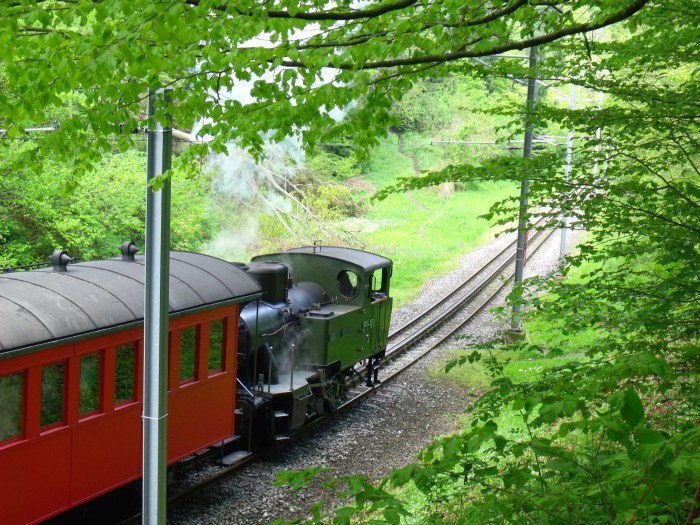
[[90, 371], [188, 353], [124, 385], [216, 345], [11, 399], [52, 394]]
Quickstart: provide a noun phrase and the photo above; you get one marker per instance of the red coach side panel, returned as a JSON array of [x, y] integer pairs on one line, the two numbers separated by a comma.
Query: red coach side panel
[[35, 479], [35, 466], [195, 420], [201, 409], [106, 453], [106, 445]]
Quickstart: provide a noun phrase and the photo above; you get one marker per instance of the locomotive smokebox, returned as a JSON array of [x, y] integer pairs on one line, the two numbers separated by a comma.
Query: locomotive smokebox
[[273, 278]]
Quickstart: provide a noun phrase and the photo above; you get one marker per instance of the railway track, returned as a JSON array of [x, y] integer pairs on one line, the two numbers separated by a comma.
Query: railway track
[[437, 324], [444, 309], [408, 343]]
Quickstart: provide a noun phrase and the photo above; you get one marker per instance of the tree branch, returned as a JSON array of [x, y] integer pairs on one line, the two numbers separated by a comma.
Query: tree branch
[[320, 16], [523, 44]]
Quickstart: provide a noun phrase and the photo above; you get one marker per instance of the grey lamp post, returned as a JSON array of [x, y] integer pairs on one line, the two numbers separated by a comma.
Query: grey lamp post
[[155, 371]]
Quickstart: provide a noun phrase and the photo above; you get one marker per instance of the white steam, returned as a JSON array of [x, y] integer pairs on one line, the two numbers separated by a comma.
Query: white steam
[[234, 245], [244, 187]]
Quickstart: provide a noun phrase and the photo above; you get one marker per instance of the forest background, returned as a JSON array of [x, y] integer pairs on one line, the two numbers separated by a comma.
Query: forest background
[[607, 433]]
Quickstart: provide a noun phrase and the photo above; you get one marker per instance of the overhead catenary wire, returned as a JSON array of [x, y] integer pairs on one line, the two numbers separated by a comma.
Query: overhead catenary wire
[[543, 140], [179, 136]]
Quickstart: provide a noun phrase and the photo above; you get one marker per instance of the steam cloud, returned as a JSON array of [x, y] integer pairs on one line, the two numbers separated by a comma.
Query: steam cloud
[[243, 187], [251, 186]]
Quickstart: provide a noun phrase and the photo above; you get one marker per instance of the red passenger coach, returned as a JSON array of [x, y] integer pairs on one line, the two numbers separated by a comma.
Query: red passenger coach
[[71, 374]]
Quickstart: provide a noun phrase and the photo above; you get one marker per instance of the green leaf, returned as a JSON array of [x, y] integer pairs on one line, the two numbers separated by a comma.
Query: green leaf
[[670, 492], [648, 436], [298, 479], [392, 516], [632, 409]]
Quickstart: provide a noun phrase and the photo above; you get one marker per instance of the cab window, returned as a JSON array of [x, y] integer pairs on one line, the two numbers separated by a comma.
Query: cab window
[[380, 282], [348, 284]]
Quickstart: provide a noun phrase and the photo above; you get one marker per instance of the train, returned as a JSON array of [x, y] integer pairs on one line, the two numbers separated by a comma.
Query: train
[[256, 351]]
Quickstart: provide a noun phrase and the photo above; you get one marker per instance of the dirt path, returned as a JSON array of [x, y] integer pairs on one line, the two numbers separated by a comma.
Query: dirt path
[[412, 158], [416, 169]]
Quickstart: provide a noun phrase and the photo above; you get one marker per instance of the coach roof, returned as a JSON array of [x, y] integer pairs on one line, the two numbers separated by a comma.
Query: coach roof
[[44, 306]]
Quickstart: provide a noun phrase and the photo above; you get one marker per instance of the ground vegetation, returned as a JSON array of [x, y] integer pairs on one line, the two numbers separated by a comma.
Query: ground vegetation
[[96, 216]]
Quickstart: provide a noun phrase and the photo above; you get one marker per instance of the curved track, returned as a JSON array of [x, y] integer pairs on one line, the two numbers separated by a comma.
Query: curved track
[[438, 323]]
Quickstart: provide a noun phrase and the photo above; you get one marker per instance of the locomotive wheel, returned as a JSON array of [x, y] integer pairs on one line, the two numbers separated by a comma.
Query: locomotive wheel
[[334, 393], [319, 405]]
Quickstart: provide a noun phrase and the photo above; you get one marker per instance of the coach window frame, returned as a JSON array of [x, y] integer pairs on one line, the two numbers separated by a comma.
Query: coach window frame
[[22, 387], [193, 360], [63, 421], [135, 345], [220, 350], [96, 397]]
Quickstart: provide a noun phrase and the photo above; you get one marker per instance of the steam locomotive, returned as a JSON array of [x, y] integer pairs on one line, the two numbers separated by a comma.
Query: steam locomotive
[[255, 352]]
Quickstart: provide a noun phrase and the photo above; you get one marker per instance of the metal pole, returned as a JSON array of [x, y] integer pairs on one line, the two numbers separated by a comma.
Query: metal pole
[[269, 373], [567, 171], [516, 324], [291, 372], [155, 370]]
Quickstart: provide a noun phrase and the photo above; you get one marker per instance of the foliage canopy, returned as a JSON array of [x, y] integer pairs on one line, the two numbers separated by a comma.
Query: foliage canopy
[[253, 72]]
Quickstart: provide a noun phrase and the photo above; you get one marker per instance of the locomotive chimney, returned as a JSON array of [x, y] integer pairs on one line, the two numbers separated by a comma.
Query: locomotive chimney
[[128, 250], [59, 260]]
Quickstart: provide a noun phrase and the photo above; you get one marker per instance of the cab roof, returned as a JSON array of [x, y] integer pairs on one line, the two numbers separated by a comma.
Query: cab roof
[[366, 260]]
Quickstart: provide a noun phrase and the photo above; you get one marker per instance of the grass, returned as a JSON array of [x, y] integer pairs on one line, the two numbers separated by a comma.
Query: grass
[[519, 367], [554, 336], [424, 232], [386, 164]]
